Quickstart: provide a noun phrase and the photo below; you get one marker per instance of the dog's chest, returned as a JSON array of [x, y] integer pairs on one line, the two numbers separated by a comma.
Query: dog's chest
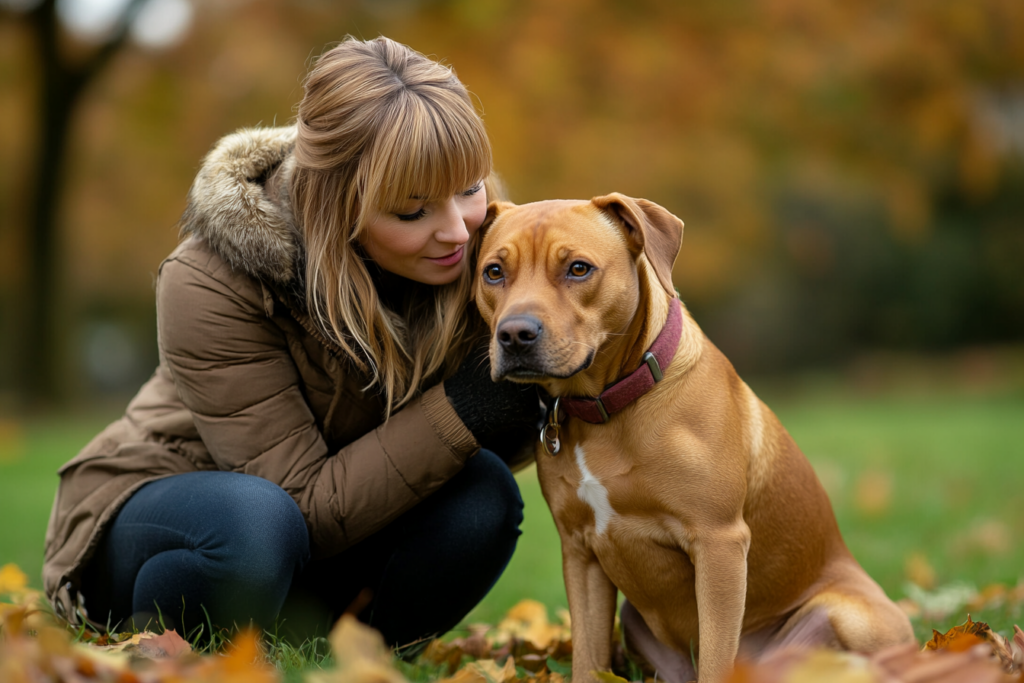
[[595, 491], [592, 492]]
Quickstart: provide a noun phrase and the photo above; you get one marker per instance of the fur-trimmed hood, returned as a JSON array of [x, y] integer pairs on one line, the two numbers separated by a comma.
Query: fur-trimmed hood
[[239, 203]]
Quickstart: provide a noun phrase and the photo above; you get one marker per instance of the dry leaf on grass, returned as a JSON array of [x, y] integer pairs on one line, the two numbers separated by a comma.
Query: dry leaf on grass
[[968, 653], [906, 664], [525, 634], [494, 673], [1009, 653], [873, 492], [608, 677], [528, 621], [12, 579], [805, 666], [360, 654], [485, 671], [899, 664], [959, 638], [919, 570], [242, 663], [148, 645]]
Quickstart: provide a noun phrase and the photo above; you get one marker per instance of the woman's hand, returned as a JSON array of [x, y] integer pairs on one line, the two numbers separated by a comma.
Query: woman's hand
[[496, 412]]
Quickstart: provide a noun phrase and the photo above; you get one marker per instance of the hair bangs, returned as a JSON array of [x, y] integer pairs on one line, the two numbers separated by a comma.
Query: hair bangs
[[437, 148]]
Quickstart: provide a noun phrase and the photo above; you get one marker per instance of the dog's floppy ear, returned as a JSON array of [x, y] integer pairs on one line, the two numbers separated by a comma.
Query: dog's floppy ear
[[650, 229], [493, 209]]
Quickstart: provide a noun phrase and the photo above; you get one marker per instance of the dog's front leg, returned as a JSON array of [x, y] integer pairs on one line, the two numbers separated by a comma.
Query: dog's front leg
[[591, 608], [720, 564]]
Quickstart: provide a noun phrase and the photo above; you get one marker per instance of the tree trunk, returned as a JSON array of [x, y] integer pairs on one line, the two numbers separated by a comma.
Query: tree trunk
[[60, 89]]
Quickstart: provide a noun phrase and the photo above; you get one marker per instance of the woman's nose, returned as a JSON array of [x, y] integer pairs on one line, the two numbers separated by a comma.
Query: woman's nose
[[454, 228]]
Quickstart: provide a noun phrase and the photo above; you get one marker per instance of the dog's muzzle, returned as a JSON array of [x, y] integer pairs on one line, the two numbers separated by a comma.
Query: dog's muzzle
[[519, 338]]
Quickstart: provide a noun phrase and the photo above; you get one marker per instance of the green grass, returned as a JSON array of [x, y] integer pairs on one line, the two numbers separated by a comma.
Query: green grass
[[30, 454], [953, 465]]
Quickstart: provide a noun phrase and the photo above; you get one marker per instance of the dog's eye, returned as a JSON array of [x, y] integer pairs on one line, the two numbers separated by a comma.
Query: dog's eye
[[579, 269], [493, 273]]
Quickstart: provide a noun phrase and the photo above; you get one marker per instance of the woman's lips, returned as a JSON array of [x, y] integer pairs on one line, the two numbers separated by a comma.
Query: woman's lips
[[449, 260]]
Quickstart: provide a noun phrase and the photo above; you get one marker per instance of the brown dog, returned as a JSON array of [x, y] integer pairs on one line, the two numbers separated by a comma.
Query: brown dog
[[683, 491]]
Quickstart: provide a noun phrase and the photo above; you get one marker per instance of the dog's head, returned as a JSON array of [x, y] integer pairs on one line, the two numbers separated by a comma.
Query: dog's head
[[557, 279]]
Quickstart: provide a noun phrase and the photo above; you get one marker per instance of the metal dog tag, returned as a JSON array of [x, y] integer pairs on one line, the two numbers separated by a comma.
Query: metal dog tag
[[549, 439], [549, 432]]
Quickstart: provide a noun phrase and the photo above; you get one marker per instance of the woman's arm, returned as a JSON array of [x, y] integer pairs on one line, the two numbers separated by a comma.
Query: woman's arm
[[233, 370]]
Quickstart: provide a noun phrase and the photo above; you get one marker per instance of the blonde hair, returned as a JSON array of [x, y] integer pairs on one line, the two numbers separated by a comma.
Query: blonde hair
[[380, 123]]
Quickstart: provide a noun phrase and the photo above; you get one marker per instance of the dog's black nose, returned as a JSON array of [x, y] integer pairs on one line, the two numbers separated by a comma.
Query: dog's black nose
[[518, 333]]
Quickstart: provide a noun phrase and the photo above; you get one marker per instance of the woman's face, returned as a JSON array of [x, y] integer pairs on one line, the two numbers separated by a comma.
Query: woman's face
[[426, 241]]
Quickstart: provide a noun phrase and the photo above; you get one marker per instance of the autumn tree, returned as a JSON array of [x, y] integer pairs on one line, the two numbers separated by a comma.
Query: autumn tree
[[848, 172], [62, 80]]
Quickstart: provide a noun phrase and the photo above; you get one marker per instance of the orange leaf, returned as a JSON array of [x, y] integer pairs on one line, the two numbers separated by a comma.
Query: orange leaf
[[959, 638], [528, 621], [12, 579]]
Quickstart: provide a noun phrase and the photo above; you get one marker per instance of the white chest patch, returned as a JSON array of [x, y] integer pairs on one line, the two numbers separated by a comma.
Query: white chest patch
[[593, 493]]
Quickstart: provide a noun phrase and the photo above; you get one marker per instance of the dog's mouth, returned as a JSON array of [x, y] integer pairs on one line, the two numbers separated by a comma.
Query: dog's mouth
[[528, 370], [524, 375]]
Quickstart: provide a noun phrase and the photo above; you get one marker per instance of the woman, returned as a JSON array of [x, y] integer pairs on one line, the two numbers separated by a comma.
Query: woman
[[296, 446]]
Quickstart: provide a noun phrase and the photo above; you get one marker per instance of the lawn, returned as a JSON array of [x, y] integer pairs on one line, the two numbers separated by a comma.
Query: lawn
[[924, 484]]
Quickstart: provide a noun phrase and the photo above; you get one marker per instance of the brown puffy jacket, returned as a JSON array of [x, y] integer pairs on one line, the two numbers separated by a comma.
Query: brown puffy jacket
[[246, 383]]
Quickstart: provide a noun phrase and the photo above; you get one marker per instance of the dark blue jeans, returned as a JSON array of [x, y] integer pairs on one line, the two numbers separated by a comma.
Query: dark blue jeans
[[235, 547]]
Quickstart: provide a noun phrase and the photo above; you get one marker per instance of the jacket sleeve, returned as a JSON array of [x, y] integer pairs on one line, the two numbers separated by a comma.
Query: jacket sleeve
[[232, 368]]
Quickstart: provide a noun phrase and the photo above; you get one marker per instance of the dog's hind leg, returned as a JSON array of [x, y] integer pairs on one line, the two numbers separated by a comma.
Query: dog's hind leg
[[807, 630], [641, 645]]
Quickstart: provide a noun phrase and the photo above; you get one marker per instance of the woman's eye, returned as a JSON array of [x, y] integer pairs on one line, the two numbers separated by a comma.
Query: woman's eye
[[415, 216], [473, 190], [493, 273], [579, 269]]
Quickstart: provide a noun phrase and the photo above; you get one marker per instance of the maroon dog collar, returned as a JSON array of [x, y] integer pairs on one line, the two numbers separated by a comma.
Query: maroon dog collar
[[637, 383]]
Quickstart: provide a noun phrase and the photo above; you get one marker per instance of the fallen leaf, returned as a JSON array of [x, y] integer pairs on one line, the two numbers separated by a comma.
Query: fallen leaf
[[167, 645], [148, 646], [353, 641], [900, 663], [439, 652], [490, 670], [475, 644], [992, 536], [528, 621], [533, 663], [959, 638], [903, 663], [989, 537], [1017, 647], [361, 656], [12, 579], [873, 492], [550, 677], [466, 674], [918, 570], [991, 596], [831, 666], [608, 677]]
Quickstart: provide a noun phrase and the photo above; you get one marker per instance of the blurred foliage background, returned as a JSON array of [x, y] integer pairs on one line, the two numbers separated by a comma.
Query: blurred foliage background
[[850, 172]]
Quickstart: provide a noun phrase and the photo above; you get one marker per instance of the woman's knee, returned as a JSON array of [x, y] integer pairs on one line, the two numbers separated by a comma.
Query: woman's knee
[[490, 497], [257, 526]]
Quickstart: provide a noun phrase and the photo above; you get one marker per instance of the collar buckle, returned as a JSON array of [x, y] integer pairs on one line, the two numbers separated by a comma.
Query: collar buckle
[[652, 364]]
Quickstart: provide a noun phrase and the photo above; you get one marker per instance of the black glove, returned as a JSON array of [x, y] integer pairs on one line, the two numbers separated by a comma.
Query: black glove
[[488, 408]]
